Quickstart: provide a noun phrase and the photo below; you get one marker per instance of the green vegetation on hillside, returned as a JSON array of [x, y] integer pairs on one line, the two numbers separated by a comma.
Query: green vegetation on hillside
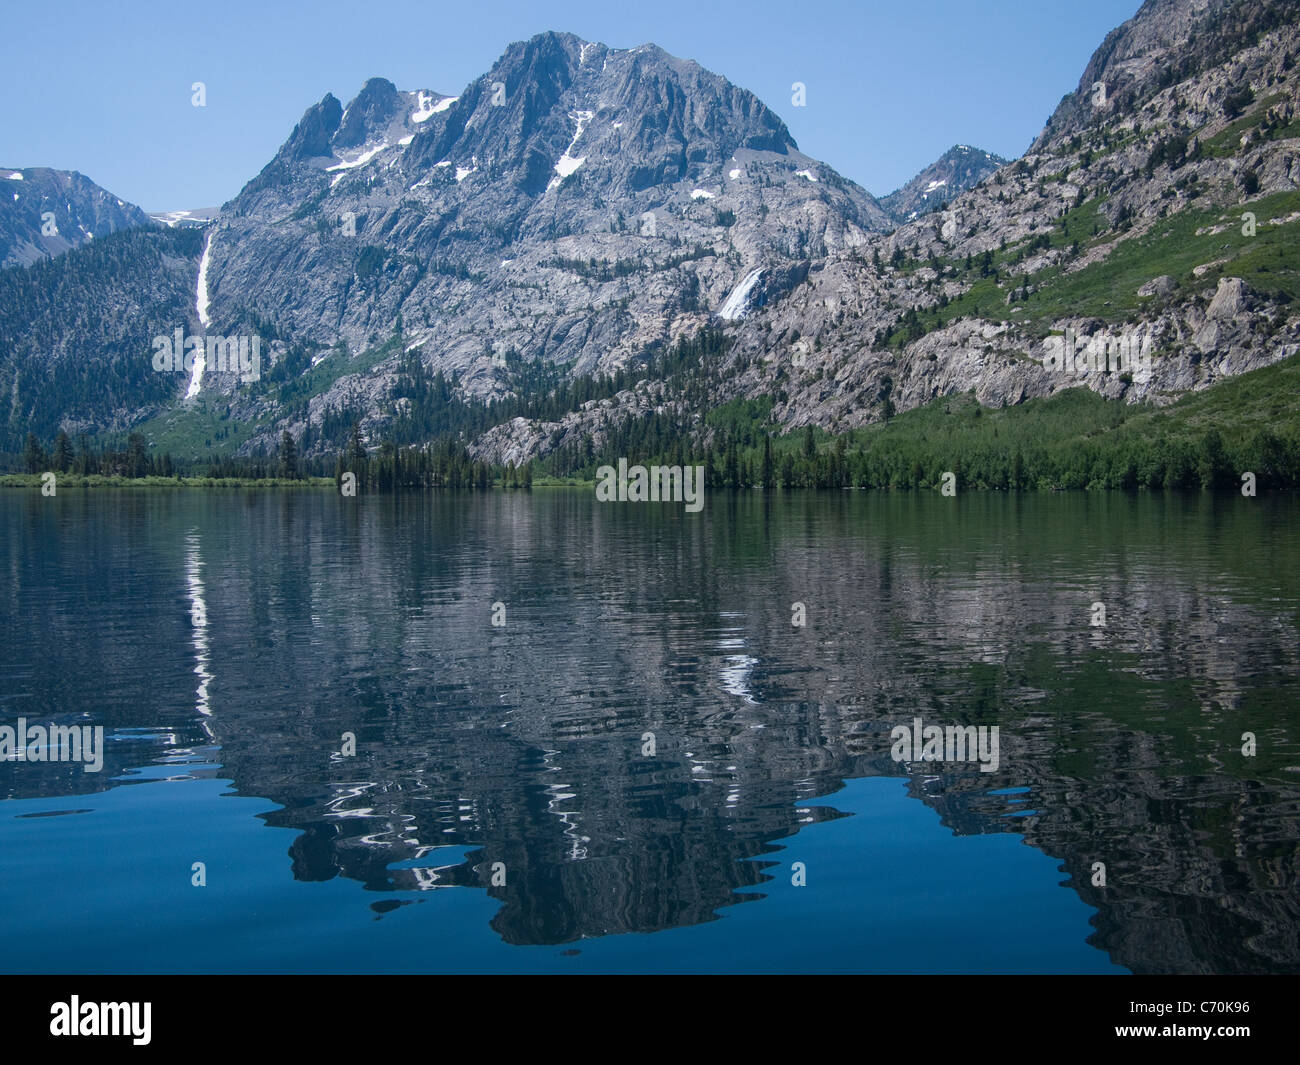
[[1075, 439]]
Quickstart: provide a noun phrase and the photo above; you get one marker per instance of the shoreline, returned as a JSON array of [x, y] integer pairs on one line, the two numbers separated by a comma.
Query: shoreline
[[33, 481]]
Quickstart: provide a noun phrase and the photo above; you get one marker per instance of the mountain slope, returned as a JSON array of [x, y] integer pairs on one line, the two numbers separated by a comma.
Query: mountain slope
[[77, 333], [572, 208], [1127, 225], [1131, 224], [45, 212]]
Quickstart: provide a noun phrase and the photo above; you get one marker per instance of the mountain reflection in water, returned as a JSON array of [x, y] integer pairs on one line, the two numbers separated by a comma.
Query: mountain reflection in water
[[645, 742]]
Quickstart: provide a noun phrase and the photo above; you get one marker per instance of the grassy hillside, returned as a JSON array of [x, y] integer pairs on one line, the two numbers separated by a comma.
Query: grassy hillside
[[1074, 439]]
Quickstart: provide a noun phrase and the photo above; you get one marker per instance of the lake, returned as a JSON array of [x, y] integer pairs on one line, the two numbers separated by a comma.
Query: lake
[[531, 732]]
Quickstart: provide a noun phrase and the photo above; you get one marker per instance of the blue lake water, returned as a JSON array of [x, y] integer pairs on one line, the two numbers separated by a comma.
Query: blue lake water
[[501, 812]]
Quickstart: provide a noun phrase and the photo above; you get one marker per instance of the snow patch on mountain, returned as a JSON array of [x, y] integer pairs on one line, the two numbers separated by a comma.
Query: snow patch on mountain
[[567, 164], [737, 304], [201, 303], [427, 108], [171, 219], [360, 160]]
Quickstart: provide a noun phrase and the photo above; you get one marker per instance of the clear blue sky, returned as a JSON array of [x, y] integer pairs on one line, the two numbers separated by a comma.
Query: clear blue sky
[[105, 88]]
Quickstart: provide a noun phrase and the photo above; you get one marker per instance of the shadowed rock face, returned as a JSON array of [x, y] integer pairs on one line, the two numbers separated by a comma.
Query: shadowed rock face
[[376, 108], [81, 212]]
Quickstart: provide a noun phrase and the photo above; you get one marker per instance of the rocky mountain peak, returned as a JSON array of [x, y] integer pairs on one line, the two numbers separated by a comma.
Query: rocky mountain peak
[[1165, 43], [580, 210], [670, 117], [374, 109], [960, 168], [45, 212], [312, 135]]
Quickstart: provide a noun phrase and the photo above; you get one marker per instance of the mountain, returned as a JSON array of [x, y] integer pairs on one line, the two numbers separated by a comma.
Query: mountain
[[76, 333], [198, 216], [1168, 216], [45, 212], [571, 208], [958, 169], [587, 243], [573, 205], [1201, 45]]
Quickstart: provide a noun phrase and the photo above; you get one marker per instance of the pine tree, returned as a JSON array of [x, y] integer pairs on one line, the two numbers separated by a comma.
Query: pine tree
[[767, 463], [1212, 464], [357, 458], [288, 455], [787, 471], [137, 459], [33, 454], [62, 452]]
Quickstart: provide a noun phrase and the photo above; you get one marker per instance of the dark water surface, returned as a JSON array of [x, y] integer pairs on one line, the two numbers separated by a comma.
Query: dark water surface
[[226, 641]]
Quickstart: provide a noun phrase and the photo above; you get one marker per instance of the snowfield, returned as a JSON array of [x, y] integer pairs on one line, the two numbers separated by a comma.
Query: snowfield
[[201, 306], [428, 108], [737, 304], [567, 164]]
